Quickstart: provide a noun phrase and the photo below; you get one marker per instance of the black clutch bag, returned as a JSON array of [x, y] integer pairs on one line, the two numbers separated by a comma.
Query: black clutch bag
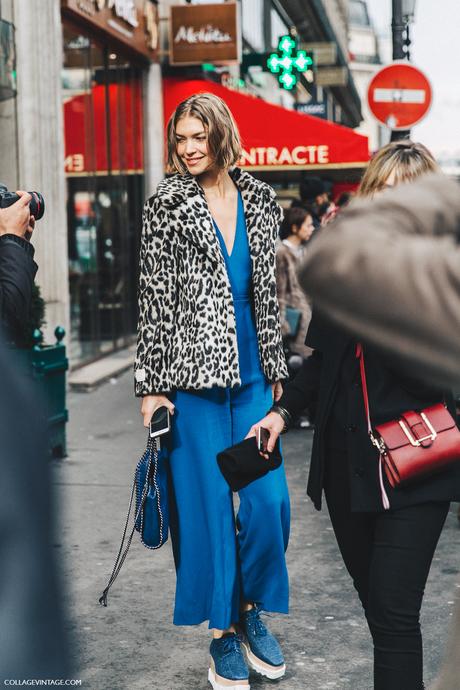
[[242, 463]]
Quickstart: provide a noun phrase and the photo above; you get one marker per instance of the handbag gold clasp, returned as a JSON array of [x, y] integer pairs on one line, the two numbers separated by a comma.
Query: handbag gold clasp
[[379, 443], [418, 441]]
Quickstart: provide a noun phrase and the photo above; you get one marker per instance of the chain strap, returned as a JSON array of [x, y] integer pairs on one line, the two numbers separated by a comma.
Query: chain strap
[[152, 445], [120, 559]]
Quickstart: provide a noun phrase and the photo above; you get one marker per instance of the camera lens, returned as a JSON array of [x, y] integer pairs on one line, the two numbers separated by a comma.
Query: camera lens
[[37, 205]]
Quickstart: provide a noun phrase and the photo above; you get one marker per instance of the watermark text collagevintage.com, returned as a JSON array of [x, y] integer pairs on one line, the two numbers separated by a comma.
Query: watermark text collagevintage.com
[[40, 682]]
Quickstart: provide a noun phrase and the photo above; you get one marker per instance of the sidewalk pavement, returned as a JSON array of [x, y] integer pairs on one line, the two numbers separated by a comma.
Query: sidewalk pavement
[[132, 644]]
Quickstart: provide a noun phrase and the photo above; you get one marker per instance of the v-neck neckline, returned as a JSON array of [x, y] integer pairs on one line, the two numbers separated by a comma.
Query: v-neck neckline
[[230, 254]]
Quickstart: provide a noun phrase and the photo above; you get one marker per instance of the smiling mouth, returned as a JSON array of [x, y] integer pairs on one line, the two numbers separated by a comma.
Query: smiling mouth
[[193, 160]]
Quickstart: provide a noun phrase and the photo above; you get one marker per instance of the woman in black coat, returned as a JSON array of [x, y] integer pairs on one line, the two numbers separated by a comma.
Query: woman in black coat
[[388, 552]]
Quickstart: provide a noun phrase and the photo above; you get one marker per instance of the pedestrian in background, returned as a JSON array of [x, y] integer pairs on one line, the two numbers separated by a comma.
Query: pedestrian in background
[[328, 211], [210, 349], [388, 553], [313, 196], [416, 228], [343, 200], [295, 311], [388, 260]]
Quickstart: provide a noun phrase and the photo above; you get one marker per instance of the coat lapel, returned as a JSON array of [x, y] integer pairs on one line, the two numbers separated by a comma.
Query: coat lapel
[[184, 196], [254, 202], [186, 199]]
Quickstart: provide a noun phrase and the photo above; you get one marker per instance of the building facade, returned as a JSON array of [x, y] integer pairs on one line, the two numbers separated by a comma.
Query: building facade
[[365, 61], [85, 128], [82, 122]]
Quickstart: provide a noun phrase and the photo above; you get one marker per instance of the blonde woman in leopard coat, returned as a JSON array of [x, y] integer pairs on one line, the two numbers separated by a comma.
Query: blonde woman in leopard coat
[[210, 349]]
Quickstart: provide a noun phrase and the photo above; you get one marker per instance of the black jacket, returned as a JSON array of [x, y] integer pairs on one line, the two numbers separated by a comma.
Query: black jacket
[[32, 627], [17, 273], [334, 394]]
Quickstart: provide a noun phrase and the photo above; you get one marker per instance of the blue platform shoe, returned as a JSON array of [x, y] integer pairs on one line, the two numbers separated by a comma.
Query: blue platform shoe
[[262, 649], [228, 669]]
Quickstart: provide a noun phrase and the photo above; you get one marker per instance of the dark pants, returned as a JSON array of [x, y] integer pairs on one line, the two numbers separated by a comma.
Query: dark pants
[[388, 555]]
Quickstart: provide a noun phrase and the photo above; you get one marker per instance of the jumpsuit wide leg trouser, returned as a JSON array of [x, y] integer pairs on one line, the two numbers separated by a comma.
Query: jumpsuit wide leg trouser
[[222, 560]]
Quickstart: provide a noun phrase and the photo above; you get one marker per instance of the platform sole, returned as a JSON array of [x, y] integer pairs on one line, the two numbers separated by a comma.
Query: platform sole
[[220, 683], [261, 667]]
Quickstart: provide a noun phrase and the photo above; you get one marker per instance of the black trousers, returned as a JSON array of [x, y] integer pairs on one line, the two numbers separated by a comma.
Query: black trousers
[[388, 556]]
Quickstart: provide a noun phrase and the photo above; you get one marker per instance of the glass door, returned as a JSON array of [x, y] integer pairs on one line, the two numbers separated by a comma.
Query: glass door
[[102, 100]]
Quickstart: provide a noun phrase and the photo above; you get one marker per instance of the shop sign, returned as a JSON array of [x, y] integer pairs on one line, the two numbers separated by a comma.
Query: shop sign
[[132, 22], [297, 155], [204, 33], [331, 76], [315, 108], [324, 53]]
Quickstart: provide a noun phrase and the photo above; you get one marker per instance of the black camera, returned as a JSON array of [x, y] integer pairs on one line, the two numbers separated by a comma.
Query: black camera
[[37, 203]]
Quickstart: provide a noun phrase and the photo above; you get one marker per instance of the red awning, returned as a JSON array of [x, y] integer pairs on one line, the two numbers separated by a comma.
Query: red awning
[[275, 138]]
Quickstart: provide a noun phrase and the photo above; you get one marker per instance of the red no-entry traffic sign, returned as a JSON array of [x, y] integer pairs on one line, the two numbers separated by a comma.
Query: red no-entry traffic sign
[[399, 95]]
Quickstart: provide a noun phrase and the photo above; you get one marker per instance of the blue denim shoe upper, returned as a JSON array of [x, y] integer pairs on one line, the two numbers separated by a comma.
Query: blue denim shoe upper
[[228, 657], [262, 643]]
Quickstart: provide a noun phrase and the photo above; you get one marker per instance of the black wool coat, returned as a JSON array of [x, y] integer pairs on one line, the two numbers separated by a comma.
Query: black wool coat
[[391, 392], [17, 273]]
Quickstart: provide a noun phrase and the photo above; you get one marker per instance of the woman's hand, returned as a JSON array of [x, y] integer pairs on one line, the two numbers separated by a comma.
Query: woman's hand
[[277, 390], [151, 403], [274, 423]]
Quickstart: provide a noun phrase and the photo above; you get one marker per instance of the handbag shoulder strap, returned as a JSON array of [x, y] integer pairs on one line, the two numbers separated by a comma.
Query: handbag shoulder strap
[[362, 369], [152, 450], [374, 440]]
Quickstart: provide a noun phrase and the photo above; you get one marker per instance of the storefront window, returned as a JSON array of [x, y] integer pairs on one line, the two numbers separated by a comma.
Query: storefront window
[[102, 100]]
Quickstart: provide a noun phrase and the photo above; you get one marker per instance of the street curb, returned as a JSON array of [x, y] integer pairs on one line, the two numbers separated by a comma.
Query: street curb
[[91, 376]]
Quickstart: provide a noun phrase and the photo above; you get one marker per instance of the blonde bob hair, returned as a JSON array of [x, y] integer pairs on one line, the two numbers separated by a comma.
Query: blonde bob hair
[[408, 160], [223, 137]]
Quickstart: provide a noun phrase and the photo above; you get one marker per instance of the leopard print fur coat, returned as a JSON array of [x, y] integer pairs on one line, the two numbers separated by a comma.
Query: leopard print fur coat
[[187, 332]]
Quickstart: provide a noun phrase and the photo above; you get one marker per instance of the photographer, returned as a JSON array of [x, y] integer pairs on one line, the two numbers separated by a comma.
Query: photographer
[[17, 267]]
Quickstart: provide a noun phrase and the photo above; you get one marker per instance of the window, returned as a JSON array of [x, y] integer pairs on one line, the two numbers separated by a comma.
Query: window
[[253, 23], [102, 102], [279, 28], [359, 15]]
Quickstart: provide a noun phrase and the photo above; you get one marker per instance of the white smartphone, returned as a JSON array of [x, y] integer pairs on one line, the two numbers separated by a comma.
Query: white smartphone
[[263, 436], [160, 423]]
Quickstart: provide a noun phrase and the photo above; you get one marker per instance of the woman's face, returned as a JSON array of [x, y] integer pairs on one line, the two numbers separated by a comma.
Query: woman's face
[[192, 145], [306, 229]]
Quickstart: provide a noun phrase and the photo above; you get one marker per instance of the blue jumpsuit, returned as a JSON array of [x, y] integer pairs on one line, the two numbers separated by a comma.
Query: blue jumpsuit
[[219, 560]]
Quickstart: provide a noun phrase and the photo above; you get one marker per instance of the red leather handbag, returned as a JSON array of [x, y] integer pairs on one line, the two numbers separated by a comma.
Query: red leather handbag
[[418, 444]]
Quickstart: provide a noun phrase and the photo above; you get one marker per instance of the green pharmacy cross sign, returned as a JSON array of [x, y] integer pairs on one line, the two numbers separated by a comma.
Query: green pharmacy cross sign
[[288, 61]]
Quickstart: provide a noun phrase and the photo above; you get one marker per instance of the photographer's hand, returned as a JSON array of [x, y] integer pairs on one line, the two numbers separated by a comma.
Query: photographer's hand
[[30, 229], [16, 219]]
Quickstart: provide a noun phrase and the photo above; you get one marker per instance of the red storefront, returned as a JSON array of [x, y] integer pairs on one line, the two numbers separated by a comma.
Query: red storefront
[[106, 52], [279, 144]]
